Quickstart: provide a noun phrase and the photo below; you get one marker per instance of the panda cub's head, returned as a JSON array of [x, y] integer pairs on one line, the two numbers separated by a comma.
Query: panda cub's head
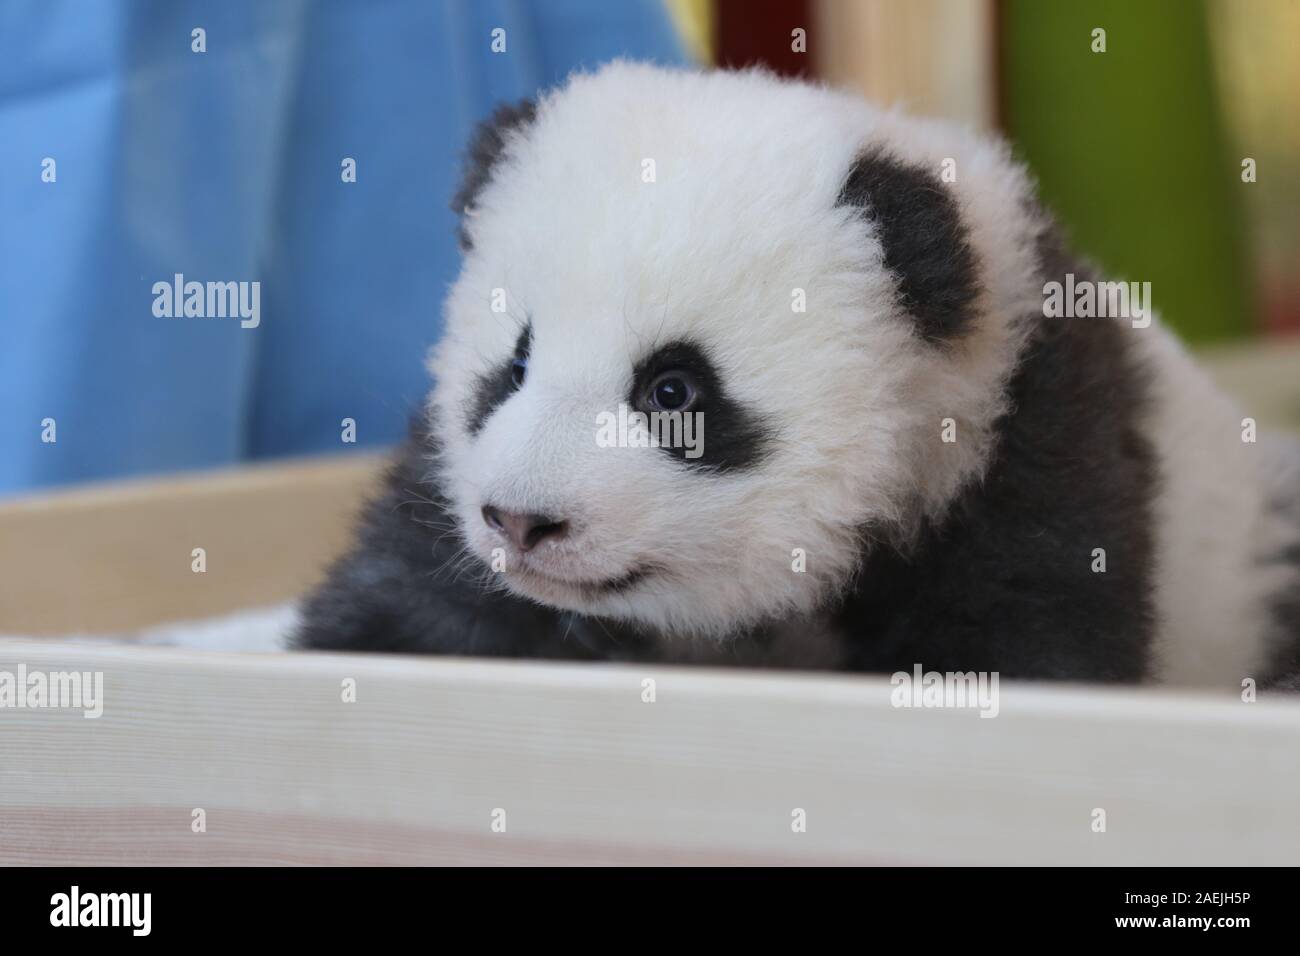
[[817, 288]]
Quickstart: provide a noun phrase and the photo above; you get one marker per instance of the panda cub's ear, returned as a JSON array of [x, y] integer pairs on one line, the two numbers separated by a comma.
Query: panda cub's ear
[[925, 244], [485, 149]]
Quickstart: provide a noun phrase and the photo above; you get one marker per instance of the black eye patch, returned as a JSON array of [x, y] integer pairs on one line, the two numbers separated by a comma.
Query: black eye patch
[[498, 384], [733, 437]]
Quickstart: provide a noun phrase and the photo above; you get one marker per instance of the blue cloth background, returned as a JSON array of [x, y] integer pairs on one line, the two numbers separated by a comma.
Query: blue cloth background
[[225, 166]]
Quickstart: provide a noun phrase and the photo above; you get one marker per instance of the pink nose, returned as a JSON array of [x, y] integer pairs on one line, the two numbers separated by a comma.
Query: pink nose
[[527, 531]]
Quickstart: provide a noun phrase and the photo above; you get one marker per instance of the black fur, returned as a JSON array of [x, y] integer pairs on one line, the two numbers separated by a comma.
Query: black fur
[[485, 148], [1283, 672], [1004, 582], [924, 240], [734, 437], [497, 384]]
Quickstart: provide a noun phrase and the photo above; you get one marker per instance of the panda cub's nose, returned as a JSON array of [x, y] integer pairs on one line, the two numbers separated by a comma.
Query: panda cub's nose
[[527, 531]]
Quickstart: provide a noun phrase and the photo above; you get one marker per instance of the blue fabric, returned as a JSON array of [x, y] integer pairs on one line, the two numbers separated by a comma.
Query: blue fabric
[[225, 166]]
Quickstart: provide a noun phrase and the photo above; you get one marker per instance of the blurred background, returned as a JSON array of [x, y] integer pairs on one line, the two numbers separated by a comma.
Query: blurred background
[[144, 138]]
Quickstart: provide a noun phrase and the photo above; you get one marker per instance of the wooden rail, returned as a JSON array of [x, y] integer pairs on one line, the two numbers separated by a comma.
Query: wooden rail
[[580, 768]]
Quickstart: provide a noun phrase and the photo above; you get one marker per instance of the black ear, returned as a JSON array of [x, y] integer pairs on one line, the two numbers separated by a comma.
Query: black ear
[[485, 148], [925, 242]]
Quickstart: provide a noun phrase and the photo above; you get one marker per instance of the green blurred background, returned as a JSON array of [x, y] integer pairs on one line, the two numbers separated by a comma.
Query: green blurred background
[[1131, 151]]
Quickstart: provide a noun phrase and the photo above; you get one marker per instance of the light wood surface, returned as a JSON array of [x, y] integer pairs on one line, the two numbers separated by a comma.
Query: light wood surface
[[1263, 377], [586, 771], [114, 557]]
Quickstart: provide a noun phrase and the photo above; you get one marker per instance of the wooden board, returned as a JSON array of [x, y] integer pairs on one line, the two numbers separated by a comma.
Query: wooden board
[[588, 772], [113, 557]]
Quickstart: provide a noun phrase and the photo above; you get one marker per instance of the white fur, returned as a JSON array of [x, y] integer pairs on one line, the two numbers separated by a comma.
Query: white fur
[[742, 213], [263, 629], [1215, 529]]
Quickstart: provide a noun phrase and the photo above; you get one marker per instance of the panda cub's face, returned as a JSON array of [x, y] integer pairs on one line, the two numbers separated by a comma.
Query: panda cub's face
[[683, 247]]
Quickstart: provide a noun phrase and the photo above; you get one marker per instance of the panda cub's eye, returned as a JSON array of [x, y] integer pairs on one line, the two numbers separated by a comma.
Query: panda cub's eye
[[671, 392], [519, 364]]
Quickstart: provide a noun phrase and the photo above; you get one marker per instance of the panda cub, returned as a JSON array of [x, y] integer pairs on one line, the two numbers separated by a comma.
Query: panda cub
[[881, 452]]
